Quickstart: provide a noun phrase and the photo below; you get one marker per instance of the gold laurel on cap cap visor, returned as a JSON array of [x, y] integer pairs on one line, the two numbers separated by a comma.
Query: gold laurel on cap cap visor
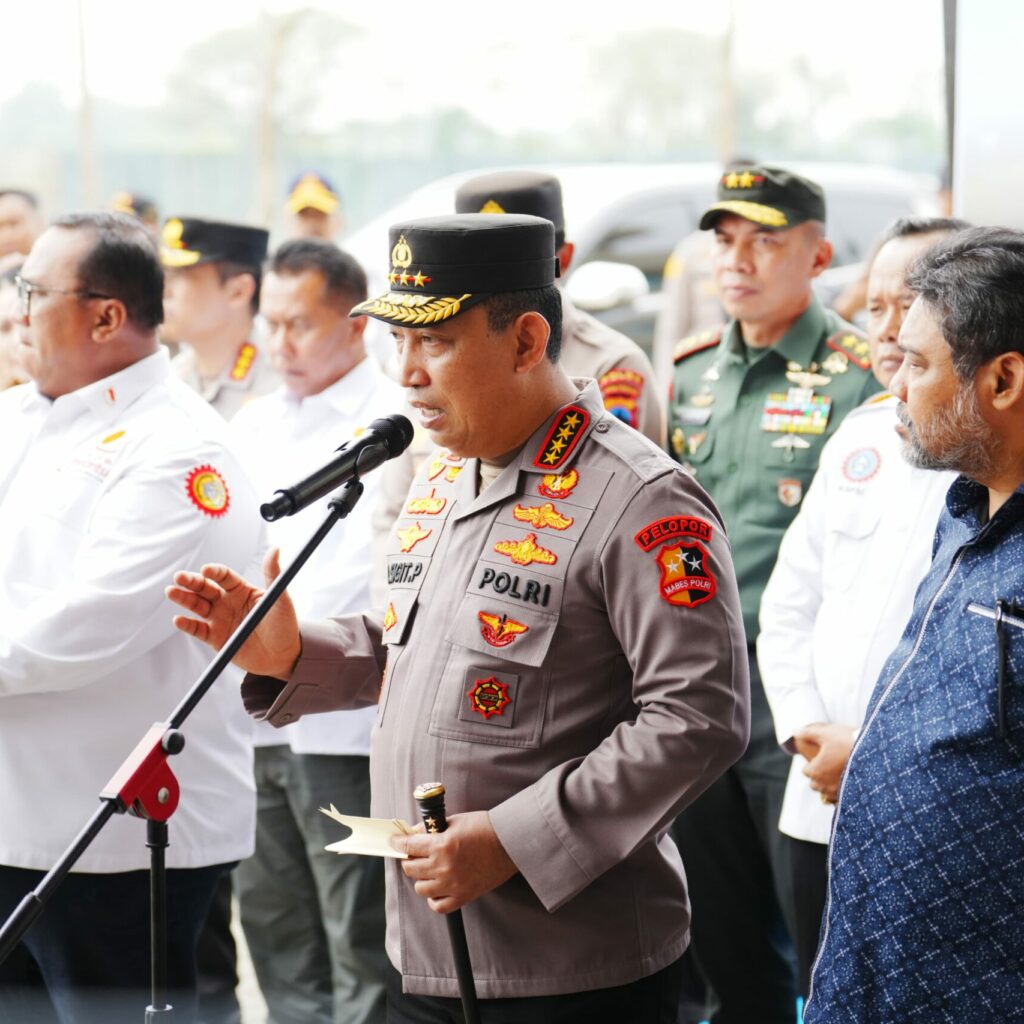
[[410, 309], [756, 212]]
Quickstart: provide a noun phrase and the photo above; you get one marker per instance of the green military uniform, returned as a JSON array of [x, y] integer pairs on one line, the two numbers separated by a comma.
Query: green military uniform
[[751, 423]]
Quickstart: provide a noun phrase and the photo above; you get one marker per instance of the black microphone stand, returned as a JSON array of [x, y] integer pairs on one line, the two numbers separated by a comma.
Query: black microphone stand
[[146, 787]]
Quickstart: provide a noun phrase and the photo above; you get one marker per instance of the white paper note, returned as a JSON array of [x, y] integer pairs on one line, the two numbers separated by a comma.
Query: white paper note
[[370, 836]]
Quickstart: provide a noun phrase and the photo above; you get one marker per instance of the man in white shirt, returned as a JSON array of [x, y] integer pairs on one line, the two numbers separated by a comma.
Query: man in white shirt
[[111, 472], [844, 583], [314, 921]]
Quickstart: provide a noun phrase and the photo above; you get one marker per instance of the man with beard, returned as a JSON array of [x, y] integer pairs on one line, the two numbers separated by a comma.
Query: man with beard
[[826, 625], [924, 918]]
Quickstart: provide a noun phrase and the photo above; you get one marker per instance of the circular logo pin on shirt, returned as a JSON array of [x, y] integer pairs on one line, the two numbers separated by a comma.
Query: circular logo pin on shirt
[[207, 491], [861, 465]]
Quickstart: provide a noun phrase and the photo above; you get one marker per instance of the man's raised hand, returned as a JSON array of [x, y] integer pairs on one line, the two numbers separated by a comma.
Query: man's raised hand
[[217, 599]]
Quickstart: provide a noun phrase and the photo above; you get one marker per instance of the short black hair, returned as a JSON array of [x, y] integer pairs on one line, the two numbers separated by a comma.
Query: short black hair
[[123, 263], [504, 307], [908, 227], [344, 278], [30, 197], [227, 269], [973, 281]]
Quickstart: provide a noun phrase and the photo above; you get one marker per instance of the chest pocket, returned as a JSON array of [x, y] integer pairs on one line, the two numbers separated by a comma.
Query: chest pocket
[[849, 527]]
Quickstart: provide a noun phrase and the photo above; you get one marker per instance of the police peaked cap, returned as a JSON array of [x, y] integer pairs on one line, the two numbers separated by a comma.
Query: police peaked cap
[[441, 266]]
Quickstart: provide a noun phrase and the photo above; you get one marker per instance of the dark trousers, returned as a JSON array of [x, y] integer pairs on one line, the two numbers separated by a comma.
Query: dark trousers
[[86, 960], [810, 890], [218, 961], [651, 1000], [739, 878]]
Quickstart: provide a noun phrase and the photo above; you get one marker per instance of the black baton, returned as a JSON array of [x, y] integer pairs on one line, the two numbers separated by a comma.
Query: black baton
[[430, 798]]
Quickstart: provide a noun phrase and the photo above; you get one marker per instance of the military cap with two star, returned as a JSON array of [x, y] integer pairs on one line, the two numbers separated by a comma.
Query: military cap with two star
[[539, 195], [770, 196], [189, 241], [441, 266]]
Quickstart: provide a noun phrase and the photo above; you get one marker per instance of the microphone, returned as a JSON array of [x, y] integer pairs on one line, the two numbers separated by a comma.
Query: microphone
[[382, 440]]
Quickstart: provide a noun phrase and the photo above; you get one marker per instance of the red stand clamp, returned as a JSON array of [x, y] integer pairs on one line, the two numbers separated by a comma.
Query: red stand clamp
[[144, 785]]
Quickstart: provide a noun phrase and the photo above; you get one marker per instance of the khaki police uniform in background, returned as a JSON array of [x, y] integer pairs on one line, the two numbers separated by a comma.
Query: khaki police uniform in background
[[564, 650], [622, 371], [751, 424], [249, 376]]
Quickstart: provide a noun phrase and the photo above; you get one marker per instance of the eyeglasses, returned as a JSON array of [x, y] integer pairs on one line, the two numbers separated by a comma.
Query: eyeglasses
[[26, 289]]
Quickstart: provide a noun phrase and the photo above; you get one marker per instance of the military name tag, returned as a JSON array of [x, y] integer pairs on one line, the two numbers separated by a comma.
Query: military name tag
[[795, 413], [689, 416]]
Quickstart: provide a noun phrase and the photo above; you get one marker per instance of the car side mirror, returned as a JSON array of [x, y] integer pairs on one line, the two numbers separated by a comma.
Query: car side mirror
[[600, 286]]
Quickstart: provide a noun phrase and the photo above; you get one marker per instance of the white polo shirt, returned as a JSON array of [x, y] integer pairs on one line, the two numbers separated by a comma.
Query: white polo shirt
[[104, 493], [281, 439], [843, 588]]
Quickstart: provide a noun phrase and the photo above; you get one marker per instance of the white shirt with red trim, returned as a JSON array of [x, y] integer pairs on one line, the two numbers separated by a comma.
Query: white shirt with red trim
[[104, 493]]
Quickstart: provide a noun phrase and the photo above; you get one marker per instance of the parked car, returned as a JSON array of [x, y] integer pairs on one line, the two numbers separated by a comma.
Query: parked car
[[634, 214]]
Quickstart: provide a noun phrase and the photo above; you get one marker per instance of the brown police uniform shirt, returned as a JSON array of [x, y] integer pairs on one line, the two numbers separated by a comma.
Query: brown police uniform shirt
[[247, 376], [618, 364], [564, 650]]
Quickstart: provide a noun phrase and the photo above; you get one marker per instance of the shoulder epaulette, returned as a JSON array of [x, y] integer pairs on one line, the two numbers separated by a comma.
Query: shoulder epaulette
[[697, 343], [853, 345]]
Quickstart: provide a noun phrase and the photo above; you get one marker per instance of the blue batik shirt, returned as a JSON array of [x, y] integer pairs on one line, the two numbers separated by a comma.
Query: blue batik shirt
[[925, 914]]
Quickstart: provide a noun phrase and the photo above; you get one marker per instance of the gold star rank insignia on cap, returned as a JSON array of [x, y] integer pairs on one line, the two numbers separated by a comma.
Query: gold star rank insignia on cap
[[562, 438], [491, 206], [526, 551]]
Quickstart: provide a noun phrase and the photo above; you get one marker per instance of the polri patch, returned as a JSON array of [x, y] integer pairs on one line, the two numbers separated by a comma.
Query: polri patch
[[662, 530], [686, 581], [564, 435], [207, 491]]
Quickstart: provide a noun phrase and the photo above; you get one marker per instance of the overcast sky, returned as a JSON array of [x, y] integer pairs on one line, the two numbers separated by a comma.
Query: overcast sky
[[502, 65]]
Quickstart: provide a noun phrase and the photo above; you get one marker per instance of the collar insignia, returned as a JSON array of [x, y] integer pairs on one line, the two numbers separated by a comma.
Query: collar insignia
[[243, 361], [390, 618], [562, 438], [554, 485], [437, 467]]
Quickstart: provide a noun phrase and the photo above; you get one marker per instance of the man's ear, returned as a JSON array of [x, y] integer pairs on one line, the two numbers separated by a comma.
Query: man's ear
[[531, 333], [111, 316], [240, 289], [1003, 382], [565, 255], [822, 257]]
